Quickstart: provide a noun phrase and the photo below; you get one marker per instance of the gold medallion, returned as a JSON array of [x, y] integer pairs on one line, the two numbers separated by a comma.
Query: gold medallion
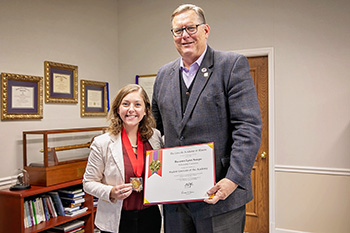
[[136, 183]]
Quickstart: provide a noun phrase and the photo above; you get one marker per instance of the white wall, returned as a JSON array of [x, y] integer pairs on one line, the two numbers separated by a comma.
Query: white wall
[[311, 41], [79, 32]]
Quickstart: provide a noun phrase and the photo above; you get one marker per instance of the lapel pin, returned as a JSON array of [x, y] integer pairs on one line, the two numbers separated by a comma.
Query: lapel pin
[[204, 70], [206, 75]]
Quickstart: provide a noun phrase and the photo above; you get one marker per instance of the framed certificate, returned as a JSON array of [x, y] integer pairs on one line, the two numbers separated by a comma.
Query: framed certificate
[[94, 98], [61, 83], [21, 97], [147, 81], [179, 174]]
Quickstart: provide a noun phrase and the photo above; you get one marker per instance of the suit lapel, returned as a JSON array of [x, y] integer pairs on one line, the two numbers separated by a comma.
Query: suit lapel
[[117, 153], [202, 77], [175, 89]]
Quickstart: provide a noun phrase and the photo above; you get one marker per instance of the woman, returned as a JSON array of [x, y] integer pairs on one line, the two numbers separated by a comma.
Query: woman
[[116, 161]]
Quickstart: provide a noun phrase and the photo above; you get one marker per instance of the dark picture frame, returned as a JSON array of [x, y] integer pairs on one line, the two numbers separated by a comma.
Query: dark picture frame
[[61, 83], [93, 98], [21, 97]]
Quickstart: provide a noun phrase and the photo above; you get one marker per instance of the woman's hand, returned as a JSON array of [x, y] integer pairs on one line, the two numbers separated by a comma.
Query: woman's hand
[[120, 192]]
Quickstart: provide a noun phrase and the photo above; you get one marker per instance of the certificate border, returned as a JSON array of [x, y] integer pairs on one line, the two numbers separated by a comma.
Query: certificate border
[[71, 70], [180, 201], [8, 81], [86, 111]]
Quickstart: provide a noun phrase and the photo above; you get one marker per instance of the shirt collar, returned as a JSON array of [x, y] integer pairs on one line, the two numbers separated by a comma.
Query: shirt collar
[[198, 61]]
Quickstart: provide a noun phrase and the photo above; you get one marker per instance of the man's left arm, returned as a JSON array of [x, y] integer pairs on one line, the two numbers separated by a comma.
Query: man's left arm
[[246, 123]]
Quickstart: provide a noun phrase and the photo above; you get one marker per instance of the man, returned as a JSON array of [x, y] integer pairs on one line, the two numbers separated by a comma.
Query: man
[[209, 96]]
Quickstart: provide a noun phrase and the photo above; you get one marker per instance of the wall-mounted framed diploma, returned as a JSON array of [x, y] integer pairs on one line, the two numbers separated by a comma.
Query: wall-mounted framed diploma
[[179, 174], [93, 98], [21, 97], [146, 81], [61, 83]]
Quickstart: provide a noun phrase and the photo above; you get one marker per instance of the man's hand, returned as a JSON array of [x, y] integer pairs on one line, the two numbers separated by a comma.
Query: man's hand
[[221, 191]]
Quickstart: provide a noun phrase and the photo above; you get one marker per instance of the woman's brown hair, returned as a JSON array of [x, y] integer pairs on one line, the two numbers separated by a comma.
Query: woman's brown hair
[[116, 123]]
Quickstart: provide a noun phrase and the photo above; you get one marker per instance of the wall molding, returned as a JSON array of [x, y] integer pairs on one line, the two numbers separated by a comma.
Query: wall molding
[[313, 170], [7, 181]]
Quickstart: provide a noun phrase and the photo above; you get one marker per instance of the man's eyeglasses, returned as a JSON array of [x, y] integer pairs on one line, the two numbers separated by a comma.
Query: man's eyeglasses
[[191, 29]]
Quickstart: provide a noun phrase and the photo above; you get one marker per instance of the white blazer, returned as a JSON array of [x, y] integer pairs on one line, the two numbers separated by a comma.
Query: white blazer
[[104, 170]]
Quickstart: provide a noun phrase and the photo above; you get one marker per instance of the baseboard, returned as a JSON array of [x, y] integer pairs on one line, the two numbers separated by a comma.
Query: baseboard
[[313, 170], [281, 230]]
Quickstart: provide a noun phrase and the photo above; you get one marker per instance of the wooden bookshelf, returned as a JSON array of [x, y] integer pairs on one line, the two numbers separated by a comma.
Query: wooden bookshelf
[[12, 209]]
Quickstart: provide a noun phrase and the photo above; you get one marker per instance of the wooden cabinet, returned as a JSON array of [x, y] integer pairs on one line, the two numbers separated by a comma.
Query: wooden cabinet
[[12, 210]]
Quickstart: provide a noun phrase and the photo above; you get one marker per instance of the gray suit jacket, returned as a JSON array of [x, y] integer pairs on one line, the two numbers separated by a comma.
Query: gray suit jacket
[[222, 108]]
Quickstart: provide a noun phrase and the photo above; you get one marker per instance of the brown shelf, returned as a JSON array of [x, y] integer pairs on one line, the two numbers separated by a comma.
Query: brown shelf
[[12, 210]]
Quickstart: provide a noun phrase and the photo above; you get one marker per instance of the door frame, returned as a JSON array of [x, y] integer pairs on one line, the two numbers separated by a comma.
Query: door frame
[[269, 52]]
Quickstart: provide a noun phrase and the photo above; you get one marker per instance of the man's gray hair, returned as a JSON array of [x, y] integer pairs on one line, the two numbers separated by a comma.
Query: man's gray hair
[[187, 7]]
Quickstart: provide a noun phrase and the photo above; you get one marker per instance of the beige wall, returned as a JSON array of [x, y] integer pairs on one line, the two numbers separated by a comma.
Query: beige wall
[[312, 203], [79, 32], [115, 40]]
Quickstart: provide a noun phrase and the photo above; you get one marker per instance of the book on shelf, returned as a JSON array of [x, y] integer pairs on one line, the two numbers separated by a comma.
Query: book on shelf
[[71, 205], [68, 200], [27, 216], [45, 208], [80, 231], [57, 203], [45, 215], [50, 206], [95, 201], [39, 210], [69, 226], [31, 212], [77, 230], [71, 195], [32, 202], [71, 209], [76, 212], [71, 190]]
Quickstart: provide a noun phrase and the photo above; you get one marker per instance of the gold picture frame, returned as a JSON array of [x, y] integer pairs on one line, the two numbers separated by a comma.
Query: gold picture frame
[[21, 97], [61, 83], [93, 98]]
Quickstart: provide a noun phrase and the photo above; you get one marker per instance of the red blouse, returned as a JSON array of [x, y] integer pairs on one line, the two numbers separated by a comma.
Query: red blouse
[[135, 200]]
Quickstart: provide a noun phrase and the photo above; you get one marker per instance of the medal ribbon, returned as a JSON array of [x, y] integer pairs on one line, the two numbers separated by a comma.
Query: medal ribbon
[[155, 162], [136, 162]]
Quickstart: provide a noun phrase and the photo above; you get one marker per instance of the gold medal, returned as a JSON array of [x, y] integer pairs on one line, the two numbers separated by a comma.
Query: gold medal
[[136, 183]]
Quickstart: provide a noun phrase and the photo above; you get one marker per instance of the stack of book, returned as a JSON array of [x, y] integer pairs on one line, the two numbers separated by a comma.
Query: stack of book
[[72, 201]]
